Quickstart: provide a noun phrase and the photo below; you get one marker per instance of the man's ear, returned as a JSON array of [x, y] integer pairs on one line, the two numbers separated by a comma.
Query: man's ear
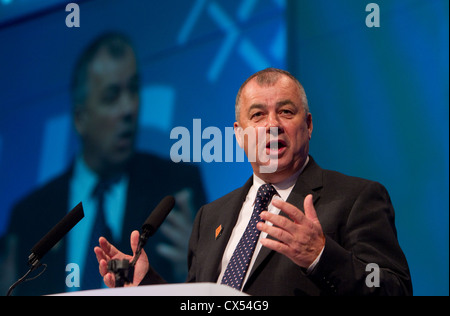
[[238, 134], [309, 124]]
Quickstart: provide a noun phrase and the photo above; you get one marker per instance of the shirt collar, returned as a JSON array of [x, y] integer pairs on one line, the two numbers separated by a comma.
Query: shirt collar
[[84, 177], [284, 187]]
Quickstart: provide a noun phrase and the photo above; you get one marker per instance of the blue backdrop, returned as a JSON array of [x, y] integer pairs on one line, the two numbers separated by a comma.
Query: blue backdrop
[[379, 96]]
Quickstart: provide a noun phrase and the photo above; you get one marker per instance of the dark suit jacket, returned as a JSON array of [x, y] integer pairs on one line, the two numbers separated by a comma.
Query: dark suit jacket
[[357, 218], [150, 179]]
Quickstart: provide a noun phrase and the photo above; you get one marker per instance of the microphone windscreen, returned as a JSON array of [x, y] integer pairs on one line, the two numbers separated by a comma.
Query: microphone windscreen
[[58, 231], [158, 215]]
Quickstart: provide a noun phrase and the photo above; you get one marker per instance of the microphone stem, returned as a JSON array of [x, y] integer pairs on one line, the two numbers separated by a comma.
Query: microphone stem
[[143, 237], [136, 256], [23, 279], [12, 287]]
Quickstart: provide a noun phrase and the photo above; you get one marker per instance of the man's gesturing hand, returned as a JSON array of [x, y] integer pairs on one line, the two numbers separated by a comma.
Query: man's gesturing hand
[[301, 239], [107, 252]]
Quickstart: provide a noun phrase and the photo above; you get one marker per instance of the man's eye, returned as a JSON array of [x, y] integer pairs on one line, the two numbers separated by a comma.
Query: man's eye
[[256, 115], [286, 112]]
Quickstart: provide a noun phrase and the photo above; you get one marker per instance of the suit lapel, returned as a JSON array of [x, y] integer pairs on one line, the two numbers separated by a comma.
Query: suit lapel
[[309, 182], [226, 217]]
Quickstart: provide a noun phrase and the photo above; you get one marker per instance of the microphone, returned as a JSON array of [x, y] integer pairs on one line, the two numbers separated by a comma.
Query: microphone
[[123, 269], [47, 242], [155, 219], [55, 234]]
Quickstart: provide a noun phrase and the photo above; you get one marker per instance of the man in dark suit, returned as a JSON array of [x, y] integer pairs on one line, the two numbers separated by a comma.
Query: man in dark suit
[[106, 99], [324, 233]]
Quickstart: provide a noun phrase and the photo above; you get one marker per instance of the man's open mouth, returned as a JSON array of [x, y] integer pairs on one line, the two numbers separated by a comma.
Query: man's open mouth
[[126, 134], [125, 138], [276, 145]]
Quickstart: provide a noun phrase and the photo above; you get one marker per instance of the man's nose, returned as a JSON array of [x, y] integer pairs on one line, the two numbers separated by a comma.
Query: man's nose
[[273, 123], [129, 104]]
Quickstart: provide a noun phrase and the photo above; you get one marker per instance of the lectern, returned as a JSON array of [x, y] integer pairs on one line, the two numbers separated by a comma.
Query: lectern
[[183, 289]]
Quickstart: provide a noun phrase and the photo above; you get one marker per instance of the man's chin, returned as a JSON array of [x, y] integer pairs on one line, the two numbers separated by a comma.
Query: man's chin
[[273, 164], [120, 158], [268, 166]]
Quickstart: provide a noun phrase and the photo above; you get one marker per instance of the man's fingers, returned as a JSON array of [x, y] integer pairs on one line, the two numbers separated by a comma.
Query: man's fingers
[[184, 201], [109, 280], [279, 233], [278, 221], [100, 254], [310, 211], [301, 238], [103, 267], [276, 246], [293, 212], [134, 240], [107, 248]]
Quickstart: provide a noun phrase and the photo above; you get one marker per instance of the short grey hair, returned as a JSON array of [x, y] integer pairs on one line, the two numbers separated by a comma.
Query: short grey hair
[[115, 43], [270, 76]]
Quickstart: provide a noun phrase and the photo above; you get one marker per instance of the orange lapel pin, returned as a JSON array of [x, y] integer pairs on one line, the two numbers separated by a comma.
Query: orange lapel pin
[[218, 231]]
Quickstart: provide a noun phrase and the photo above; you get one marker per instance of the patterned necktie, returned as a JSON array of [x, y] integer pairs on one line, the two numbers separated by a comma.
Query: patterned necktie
[[238, 265], [91, 276]]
